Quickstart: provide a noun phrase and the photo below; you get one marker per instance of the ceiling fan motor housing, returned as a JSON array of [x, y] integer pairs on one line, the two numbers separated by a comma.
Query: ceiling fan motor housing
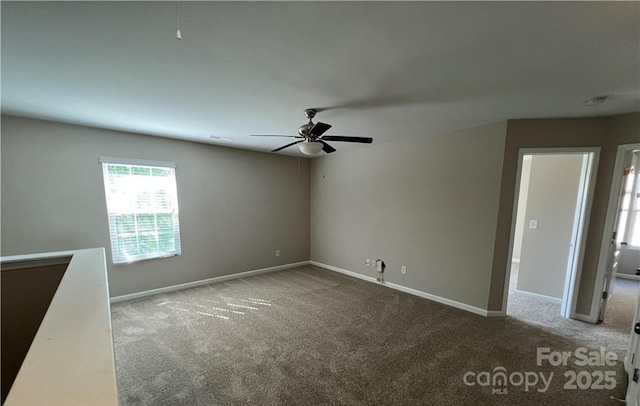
[[305, 129]]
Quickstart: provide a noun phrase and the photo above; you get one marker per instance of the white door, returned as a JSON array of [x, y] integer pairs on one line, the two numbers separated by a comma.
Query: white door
[[610, 276], [625, 178], [632, 362], [577, 235]]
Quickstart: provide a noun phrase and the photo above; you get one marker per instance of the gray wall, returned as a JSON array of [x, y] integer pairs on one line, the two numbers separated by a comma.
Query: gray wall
[[553, 192], [604, 132], [236, 207], [441, 206], [522, 207], [430, 205]]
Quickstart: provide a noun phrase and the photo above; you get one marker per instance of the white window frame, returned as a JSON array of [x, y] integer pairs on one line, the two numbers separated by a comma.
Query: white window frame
[[119, 256], [633, 210]]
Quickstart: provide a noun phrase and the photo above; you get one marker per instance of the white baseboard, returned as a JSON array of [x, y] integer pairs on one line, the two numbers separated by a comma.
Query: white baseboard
[[344, 271], [415, 292], [627, 276], [496, 313], [537, 296], [217, 279]]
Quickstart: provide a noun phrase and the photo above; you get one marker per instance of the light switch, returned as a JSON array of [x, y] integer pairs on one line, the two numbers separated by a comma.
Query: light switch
[[533, 224]]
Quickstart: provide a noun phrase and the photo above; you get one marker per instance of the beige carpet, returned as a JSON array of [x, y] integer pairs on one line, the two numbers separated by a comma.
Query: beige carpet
[[622, 306], [309, 336], [613, 332]]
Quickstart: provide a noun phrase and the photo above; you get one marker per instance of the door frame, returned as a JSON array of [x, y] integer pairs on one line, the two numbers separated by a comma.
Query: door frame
[[609, 224], [579, 236], [632, 361], [573, 278]]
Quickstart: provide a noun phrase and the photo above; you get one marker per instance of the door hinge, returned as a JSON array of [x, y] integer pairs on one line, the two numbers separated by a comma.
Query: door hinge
[[605, 295], [636, 328], [636, 377]]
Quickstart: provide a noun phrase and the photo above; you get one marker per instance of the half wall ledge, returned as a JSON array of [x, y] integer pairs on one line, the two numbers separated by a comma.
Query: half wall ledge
[[70, 360]]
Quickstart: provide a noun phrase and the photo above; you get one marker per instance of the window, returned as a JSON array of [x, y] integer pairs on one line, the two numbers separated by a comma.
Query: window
[[629, 216], [142, 205]]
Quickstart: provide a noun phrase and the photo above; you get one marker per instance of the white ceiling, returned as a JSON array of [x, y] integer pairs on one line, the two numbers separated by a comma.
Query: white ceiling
[[398, 70]]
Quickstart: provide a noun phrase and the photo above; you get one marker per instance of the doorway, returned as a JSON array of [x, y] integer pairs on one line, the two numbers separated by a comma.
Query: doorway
[[620, 282], [618, 290], [551, 210], [622, 229]]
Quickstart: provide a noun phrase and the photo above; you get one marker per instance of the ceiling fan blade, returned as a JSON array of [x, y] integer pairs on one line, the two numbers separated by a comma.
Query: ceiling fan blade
[[327, 148], [342, 138], [288, 145], [270, 135], [319, 128]]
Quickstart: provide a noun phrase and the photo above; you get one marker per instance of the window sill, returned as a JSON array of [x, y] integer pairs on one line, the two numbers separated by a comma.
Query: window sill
[[133, 261]]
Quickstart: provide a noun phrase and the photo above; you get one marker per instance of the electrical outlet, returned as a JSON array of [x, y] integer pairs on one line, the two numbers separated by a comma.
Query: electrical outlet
[[533, 224], [367, 261], [403, 270], [277, 253]]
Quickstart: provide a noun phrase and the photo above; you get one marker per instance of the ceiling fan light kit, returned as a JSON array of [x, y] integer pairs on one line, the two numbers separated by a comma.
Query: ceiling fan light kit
[[312, 139], [311, 148]]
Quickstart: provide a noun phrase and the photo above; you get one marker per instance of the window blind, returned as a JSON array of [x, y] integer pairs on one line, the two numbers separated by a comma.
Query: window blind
[[142, 208]]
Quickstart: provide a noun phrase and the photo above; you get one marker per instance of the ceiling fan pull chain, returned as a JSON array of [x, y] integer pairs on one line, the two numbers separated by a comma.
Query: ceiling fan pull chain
[[323, 157], [178, 33], [299, 167]]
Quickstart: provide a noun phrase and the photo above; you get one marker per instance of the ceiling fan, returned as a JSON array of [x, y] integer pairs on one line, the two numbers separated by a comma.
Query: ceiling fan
[[312, 140]]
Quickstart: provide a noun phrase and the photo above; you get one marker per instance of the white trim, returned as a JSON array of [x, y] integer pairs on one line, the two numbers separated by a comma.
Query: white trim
[[344, 271], [587, 215], [39, 256], [439, 299], [134, 161], [512, 233], [515, 260], [415, 292], [130, 185], [579, 232], [627, 276], [631, 215], [537, 296], [582, 317], [610, 219], [14, 265], [202, 282]]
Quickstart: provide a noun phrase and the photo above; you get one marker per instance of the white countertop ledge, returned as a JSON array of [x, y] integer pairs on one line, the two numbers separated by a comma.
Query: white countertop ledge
[[71, 359]]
